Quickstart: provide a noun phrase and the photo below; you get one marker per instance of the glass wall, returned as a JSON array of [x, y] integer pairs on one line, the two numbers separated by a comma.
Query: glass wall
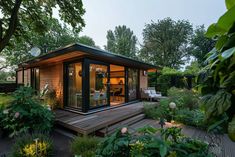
[[102, 85], [75, 85], [132, 83], [117, 85], [98, 85]]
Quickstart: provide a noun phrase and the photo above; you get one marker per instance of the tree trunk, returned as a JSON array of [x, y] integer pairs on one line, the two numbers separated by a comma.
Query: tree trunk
[[12, 26]]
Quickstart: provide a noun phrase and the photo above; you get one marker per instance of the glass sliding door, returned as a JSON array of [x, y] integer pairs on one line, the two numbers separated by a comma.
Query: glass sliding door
[[74, 73], [99, 79], [132, 84], [117, 85]]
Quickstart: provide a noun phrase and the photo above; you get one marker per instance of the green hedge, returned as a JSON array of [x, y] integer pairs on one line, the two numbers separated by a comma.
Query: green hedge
[[166, 81]]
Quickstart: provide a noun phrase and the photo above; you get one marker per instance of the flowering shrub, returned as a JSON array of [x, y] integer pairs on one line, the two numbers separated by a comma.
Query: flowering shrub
[[146, 143], [26, 113]]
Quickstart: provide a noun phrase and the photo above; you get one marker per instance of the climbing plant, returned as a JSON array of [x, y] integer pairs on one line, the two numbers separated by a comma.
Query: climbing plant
[[218, 79]]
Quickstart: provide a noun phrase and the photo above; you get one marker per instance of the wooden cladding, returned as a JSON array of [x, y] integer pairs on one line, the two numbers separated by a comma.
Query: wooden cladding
[[53, 77]]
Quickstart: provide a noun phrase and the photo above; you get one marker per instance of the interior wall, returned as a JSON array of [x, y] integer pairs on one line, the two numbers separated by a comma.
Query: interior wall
[[92, 79], [78, 78]]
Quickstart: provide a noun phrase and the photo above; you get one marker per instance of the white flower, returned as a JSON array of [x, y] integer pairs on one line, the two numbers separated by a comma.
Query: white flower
[[172, 105], [124, 130]]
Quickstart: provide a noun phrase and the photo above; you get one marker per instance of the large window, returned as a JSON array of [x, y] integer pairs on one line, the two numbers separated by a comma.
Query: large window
[[75, 85], [132, 83], [98, 85]]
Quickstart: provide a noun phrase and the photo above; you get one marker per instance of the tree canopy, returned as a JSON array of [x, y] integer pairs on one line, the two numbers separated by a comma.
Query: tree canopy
[[21, 16], [200, 44], [122, 41], [57, 36], [166, 42], [86, 40]]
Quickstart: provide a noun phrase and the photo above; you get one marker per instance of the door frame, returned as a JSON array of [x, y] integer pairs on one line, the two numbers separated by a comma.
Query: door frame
[[66, 82]]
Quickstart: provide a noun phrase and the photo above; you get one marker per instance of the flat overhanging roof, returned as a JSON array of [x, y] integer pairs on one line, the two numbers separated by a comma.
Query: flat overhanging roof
[[76, 50]]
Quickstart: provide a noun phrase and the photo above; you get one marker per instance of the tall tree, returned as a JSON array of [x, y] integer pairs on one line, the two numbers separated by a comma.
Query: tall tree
[[200, 44], [20, 16], [57, 36], [122, 41], [166, 42], [87, 41]]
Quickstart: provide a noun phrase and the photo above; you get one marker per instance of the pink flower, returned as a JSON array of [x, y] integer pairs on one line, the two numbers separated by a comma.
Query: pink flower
[[17, 114], [124, 130]]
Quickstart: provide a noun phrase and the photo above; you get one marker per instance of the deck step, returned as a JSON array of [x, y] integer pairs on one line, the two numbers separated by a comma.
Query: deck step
[[127, 122]]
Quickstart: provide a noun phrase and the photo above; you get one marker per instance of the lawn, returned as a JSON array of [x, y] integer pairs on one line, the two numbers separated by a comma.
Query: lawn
[[5, 99]]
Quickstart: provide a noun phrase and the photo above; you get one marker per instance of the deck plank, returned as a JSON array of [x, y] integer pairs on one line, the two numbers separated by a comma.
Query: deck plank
[[87, 124]]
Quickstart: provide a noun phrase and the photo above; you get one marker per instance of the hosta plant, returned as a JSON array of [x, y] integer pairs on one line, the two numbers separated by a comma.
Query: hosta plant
[[152, 142]]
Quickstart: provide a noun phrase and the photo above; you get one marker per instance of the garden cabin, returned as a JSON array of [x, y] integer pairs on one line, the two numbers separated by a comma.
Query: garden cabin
[[85, 78]]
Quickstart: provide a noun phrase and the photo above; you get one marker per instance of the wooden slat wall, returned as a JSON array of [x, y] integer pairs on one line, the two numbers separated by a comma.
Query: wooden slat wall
[[143, 80], [27, 77], [19, 77], [53, 76]]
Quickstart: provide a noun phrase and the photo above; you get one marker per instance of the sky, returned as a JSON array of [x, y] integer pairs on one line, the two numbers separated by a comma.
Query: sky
[[103, 15]]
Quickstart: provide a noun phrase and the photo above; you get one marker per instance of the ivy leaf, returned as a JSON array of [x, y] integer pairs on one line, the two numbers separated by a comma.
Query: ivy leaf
[[229, 3], [228, 53]]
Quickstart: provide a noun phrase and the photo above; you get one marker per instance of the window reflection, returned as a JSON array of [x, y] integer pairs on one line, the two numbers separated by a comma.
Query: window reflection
[[98, 85], [132, 83]]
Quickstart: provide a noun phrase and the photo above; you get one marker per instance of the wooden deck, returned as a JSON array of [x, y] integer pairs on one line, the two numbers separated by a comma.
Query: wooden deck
[[106, 122], [87, 124]]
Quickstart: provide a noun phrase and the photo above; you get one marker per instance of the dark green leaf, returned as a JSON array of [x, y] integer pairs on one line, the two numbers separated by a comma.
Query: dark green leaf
[[221, 41], [226, 21], [214, 30], [230, 42], [163, 150], [229, 3], [216, 124], [229, 81]]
